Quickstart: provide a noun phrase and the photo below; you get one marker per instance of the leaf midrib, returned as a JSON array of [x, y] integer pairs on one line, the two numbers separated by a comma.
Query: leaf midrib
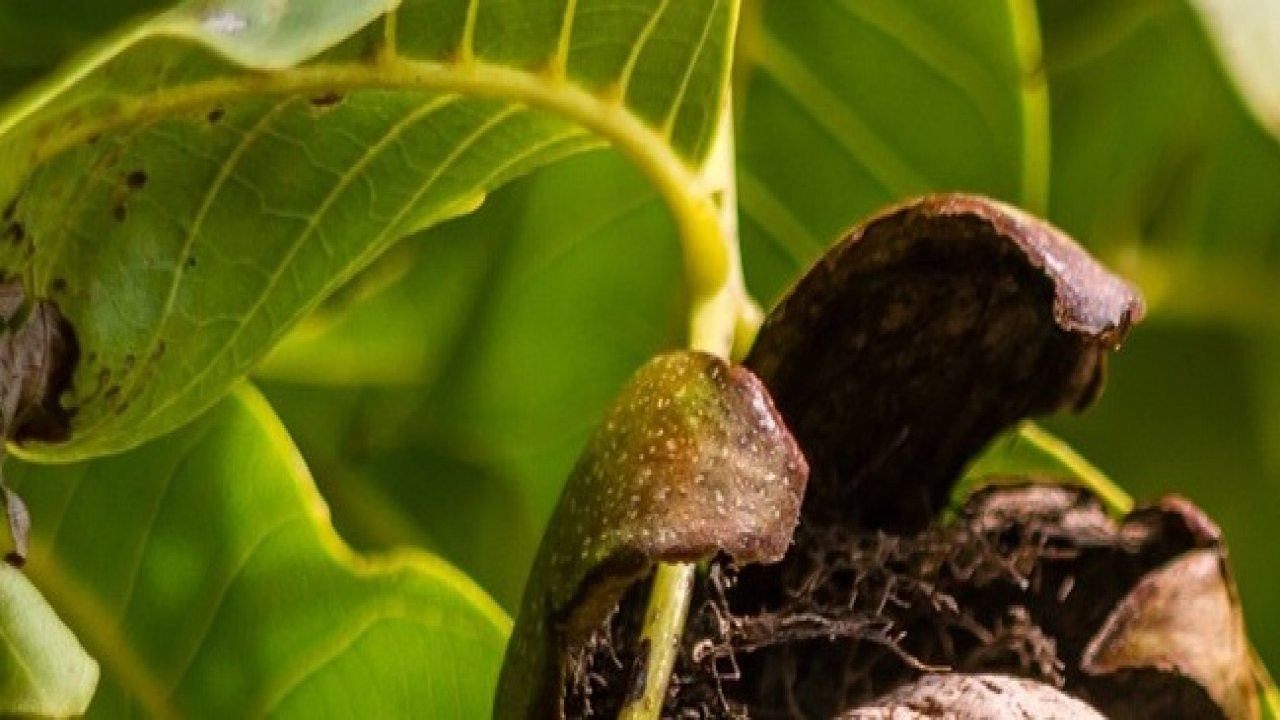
[[603, 112]]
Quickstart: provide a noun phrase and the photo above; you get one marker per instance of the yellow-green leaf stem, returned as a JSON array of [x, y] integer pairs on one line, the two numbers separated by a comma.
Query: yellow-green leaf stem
[[663, 627], [724, 321], [718, 323]]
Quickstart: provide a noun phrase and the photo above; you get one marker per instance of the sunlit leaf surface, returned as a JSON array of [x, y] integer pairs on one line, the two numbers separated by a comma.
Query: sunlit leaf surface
[[43, 669], [201, 572]]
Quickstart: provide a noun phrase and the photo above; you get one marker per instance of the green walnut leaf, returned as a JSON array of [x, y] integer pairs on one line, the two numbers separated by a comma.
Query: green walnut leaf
[[193, 186], [43, 669], [201, 571]]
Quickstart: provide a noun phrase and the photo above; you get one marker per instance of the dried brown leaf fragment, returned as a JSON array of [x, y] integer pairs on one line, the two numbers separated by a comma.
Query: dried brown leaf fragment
[[919, 337], [923, 333], [38, 354]]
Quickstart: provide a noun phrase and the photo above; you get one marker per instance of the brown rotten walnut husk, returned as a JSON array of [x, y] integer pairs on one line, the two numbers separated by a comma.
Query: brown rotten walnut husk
[[919, 337]]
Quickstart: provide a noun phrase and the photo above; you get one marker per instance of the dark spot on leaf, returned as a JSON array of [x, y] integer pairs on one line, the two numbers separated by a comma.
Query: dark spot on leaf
[[10, 210], [16, 232], [120, 212], [112, 392], [58, 285], [190, 262], [326, 100], [93, 139], [215, 115], [159, 351], [15, 560], [121, 408], [137, 179]]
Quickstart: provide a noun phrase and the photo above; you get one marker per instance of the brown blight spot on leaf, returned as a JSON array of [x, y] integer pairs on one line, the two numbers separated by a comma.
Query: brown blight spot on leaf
[[691, 460], [16, 232], [327, 100], [922, 334]]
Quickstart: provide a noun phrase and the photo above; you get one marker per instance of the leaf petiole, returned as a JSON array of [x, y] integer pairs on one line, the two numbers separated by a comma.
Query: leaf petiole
[[660, 638], [722, 321]]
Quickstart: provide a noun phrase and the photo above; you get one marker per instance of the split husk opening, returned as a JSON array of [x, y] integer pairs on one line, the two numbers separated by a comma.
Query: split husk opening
[[915, 341]]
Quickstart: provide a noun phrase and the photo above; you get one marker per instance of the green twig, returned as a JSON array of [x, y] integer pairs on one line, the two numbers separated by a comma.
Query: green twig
[[660, 637], [722, 320]]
